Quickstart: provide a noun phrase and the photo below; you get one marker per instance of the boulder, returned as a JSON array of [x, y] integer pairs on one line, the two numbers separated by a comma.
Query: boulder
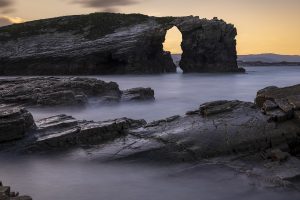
[[279, 103], [14, 123], [138, 94]]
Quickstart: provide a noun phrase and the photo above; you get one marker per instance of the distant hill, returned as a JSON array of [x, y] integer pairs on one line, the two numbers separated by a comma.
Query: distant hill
[[269, 58], [260, 59]]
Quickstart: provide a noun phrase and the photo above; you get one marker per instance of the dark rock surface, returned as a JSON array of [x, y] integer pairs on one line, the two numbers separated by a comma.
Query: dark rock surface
[[107, 43], [63, 132], [14, 123], [208, 46], [280, 104], [6, 194], [138, 94], [52, 91]]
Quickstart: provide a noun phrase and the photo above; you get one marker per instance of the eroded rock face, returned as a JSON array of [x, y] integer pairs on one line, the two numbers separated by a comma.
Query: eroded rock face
[[106, 43], [53, 91], [208, 45], [280, 104], [14, 123]]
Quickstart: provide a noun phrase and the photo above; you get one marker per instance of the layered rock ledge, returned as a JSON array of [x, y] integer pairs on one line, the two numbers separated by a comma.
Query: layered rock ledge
[[53, 91], [240, 135], [107, 43]]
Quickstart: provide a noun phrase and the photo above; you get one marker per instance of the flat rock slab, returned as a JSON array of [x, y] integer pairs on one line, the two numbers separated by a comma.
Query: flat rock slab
[[54, 91]]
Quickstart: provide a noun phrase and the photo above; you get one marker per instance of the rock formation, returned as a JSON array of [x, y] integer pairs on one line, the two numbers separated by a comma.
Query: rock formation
[[260, 140], [208, 45], [6, 194], [52, 91], [14, 123], [106, 43], [216, 128]]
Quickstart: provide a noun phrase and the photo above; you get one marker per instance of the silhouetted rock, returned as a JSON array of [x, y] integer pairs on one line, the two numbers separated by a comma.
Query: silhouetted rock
[[208, 45], [52, 91], [107, 43]]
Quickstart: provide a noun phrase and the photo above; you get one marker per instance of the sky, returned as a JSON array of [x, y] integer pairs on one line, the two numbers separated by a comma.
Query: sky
[[264, 26]]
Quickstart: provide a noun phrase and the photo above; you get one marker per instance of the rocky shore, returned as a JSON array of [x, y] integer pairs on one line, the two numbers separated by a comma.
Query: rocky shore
[[260, 139], [7, 194], [54, 91]]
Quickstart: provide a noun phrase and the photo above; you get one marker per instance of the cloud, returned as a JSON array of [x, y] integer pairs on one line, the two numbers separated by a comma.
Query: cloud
[[5, 6], [5, 20], [105, 5], [5, 3]]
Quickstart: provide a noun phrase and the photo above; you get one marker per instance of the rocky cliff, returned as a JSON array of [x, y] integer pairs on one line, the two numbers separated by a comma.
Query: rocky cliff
[[106, 43]]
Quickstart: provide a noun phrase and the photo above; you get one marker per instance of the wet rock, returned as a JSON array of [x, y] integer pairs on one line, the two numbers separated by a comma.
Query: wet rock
[[269, 105], [63, 132], [6, 194], [108, 43], [138, 94], [238, 128], [277, 115], [278, 155], [14, 123], [216, 107], [53, 91], [279, 103]]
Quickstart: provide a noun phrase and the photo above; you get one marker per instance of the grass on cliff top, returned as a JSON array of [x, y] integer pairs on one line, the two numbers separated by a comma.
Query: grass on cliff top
[[94, 25]]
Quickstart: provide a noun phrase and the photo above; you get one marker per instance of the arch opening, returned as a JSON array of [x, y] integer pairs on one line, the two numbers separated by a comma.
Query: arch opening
[[172, 44]]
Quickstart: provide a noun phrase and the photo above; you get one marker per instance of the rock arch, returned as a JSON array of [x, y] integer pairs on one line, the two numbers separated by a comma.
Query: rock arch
[[107, 43]]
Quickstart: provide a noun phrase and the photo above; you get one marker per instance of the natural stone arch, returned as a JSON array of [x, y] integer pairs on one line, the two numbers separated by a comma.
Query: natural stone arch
[[108, 43], [207, 45]]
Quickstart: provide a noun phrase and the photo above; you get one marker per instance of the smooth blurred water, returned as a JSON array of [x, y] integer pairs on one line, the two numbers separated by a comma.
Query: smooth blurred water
[[61, 178], [177, 93]]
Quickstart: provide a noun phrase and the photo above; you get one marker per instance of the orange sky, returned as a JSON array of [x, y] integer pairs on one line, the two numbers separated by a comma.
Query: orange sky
[[264, 26]]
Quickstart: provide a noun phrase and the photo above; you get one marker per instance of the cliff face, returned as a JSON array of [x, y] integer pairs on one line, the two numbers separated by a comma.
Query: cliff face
[[106, 43]]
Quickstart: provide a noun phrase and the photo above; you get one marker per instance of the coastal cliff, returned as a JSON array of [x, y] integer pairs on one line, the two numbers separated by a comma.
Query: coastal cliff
[[107, 43]]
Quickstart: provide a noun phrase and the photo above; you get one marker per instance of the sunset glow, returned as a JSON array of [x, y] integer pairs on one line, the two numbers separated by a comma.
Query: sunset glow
[[263, 25]]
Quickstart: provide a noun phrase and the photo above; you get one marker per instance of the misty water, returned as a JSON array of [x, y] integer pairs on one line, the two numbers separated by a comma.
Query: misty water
[[67, 177], [177, 93]]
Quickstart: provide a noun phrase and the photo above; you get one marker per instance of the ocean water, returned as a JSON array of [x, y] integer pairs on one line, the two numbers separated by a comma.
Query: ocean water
[[177, 93], [64, 178], [50, 178]]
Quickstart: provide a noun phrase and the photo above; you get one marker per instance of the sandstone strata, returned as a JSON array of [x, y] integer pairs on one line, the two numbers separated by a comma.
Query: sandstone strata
[[106, 43]]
